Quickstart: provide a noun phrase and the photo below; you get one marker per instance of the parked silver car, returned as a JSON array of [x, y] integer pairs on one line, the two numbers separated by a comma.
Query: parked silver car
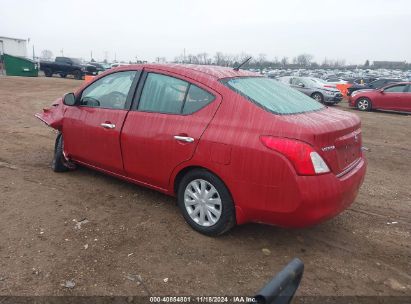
[[316, 88]]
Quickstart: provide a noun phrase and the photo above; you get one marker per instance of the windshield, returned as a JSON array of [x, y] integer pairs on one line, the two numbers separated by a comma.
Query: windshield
[[272, 95]]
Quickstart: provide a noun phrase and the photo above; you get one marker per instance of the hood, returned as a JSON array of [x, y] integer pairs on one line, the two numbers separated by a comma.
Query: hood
[[330, 88]]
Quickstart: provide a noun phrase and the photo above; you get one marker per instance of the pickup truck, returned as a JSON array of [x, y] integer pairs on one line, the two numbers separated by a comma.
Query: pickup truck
[[67, 66]]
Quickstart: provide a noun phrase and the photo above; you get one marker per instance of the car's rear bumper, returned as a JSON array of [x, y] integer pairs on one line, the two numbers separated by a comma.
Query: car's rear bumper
[[317, 198]]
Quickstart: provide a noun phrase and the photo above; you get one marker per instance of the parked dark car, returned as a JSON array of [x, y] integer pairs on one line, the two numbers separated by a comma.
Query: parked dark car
[[361, 80], [67, 66], [376, 84], [99, 66]]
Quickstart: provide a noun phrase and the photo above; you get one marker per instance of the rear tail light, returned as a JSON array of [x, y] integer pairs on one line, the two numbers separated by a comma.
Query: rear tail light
[[304, 158]]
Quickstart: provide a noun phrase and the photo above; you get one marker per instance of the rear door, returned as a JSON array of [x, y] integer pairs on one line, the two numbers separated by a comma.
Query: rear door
[[92, 129], [166, 122]]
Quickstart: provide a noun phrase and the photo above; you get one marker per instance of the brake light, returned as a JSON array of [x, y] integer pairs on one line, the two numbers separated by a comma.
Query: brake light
[[304, 158]]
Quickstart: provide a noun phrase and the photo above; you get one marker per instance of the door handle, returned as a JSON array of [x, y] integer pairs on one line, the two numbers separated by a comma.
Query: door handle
[[184, 138], [108, 125]]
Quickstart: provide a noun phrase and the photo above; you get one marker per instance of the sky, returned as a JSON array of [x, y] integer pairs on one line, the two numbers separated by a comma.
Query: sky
[[344, 29]]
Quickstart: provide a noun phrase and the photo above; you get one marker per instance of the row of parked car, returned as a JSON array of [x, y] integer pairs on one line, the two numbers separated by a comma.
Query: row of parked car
[[382, 93], [65, 66]]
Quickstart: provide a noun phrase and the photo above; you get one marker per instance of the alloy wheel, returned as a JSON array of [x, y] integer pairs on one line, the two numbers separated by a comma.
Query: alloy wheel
[[363, 104]]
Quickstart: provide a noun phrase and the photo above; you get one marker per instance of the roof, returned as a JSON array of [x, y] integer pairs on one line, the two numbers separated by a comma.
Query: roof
[[11, 38], [213, 71]]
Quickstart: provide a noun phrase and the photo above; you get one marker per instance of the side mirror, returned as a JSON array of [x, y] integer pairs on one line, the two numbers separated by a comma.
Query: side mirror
[[301, 85], [69, 99], [382, 91]]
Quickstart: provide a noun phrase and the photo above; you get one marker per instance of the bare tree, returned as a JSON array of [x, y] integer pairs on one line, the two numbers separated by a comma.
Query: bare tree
[[284, 61], [304, 60], [46, 55]]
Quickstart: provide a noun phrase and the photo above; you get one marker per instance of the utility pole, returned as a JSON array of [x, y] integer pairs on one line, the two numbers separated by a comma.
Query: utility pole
[[184, 55], [62, 52], [91, 55]]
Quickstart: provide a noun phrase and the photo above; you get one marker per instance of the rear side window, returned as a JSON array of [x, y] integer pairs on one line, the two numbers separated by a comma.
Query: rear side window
[[272, 95], [166, 94], [196, 99]]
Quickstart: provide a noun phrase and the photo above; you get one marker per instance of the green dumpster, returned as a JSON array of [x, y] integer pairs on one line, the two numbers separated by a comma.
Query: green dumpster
[[19, 66]]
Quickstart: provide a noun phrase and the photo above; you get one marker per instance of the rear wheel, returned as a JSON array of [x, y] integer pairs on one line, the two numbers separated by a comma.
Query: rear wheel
[[77, 75], [206, 203], [318, 96], [364, 104], [48, 72]]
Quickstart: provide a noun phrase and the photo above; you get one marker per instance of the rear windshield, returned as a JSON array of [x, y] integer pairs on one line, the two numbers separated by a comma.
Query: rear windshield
[[272, 95]]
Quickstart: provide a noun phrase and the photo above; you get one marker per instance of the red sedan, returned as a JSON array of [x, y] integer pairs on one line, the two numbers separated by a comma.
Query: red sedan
[[393, 97], [232, 146]]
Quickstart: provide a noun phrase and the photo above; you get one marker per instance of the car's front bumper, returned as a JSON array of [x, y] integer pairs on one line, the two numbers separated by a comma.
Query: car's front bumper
[[334, 99], [351, 101]]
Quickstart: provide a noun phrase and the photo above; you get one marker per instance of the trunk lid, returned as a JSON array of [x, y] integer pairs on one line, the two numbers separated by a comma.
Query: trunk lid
[[335, 134]]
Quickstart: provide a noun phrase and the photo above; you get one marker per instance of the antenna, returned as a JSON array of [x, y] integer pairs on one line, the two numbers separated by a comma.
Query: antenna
[[241, 64]]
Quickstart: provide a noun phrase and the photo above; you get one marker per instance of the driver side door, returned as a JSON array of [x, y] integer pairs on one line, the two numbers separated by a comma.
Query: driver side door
[[92, 127]]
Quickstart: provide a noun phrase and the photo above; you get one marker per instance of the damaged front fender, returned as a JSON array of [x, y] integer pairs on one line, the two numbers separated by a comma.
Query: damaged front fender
[[53, 116]]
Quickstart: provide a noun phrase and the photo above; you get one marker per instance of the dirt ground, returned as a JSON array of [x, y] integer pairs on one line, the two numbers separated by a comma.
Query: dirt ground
[[134, 231]]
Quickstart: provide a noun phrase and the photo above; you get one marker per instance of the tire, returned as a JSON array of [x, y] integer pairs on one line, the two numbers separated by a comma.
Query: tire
[[58, 164], [63, 75], [48, 72], [220, 202], [364, 104], [78, 75], [318, 96]]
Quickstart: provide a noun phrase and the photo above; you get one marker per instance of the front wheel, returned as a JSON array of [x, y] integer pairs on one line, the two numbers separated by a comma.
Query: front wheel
[[364, 104], [48, 72], [318, 96], [206, 203], [60, 164]]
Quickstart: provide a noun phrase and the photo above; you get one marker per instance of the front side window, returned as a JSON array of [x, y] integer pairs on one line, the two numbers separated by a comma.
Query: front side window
[[395, 89], [109, 92], [272, 95], [169, 95]]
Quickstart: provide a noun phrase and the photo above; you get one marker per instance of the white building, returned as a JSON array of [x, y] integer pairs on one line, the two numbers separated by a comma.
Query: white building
[[13, 46]]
